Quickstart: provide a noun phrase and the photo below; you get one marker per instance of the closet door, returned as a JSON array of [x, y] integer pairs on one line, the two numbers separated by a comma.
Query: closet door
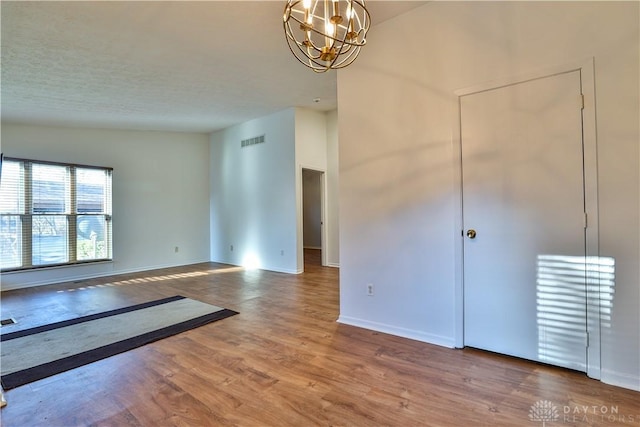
[[524, 222]]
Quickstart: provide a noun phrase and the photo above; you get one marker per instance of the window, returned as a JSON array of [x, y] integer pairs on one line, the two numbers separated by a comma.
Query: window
[[53, 214]]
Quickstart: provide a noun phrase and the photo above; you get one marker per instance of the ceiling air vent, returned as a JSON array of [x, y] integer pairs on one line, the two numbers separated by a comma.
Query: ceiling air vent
[[252, 141]]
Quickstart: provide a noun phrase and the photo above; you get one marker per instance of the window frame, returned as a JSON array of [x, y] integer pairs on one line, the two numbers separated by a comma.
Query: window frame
[[27, 212]]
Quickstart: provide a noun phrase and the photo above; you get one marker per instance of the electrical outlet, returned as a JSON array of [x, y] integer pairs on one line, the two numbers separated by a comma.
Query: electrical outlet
[[370, 289], [231, 248], [176, 249]]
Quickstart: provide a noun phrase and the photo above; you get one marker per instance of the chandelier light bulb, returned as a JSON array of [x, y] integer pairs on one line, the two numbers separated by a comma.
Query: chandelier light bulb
[[329, 31], [326, 34]]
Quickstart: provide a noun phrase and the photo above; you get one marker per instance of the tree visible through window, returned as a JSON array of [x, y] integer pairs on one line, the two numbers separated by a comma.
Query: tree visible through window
[[53, 214]]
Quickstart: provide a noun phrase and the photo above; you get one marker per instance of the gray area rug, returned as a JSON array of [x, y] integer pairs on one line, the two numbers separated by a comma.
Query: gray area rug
[[36, 353]]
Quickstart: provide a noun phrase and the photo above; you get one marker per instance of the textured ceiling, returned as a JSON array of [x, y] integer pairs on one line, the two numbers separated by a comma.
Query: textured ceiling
[[181, 66]]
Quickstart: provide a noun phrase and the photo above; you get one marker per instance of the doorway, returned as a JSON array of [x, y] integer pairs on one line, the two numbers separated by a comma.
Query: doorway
[[523, 204], [313, 217]]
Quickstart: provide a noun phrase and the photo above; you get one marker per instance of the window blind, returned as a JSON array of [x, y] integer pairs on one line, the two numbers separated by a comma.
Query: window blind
[[53, 214]]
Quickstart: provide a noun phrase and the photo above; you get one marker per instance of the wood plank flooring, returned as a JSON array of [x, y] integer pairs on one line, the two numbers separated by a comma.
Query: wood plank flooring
[[284, 361]]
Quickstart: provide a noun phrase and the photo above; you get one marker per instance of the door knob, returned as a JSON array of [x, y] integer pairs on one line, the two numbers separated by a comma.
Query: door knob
[[471, 233]]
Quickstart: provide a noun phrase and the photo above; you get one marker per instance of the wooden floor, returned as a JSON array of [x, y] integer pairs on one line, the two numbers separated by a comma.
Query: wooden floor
[[284, 361]]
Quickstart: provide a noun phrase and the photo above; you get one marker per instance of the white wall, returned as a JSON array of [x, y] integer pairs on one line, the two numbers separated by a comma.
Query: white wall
[[254, 189], [253, 195], [398, 197], [311, 139], [160, 194]]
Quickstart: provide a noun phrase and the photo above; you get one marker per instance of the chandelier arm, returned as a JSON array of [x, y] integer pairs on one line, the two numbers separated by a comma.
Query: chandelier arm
[[302, 46], [309, 64], [318, 32], [305, 52], [306, 55]]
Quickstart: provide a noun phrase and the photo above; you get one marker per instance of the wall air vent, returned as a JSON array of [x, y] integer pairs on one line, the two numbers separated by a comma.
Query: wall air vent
[[252, 141]]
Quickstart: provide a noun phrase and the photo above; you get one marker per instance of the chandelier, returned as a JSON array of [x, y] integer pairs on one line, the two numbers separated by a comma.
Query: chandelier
[[326, 34]]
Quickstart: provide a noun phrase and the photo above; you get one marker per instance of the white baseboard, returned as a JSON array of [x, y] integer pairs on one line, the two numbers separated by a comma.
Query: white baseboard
[[275, 270], [401, 332], [620, 380], [333, 264], [287, 271]]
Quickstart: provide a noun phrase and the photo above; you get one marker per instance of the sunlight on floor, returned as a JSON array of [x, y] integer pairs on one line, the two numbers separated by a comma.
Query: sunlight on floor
[[158, 278]]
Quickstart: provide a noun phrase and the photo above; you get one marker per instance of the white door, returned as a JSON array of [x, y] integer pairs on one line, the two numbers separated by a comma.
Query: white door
[[523, 197]]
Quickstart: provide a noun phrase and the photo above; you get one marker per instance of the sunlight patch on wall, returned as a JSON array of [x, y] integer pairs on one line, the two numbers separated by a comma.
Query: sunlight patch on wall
[[251, 261], [564, 284]]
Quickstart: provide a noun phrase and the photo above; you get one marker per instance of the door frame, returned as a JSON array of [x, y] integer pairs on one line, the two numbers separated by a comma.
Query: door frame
[[587, 77]]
